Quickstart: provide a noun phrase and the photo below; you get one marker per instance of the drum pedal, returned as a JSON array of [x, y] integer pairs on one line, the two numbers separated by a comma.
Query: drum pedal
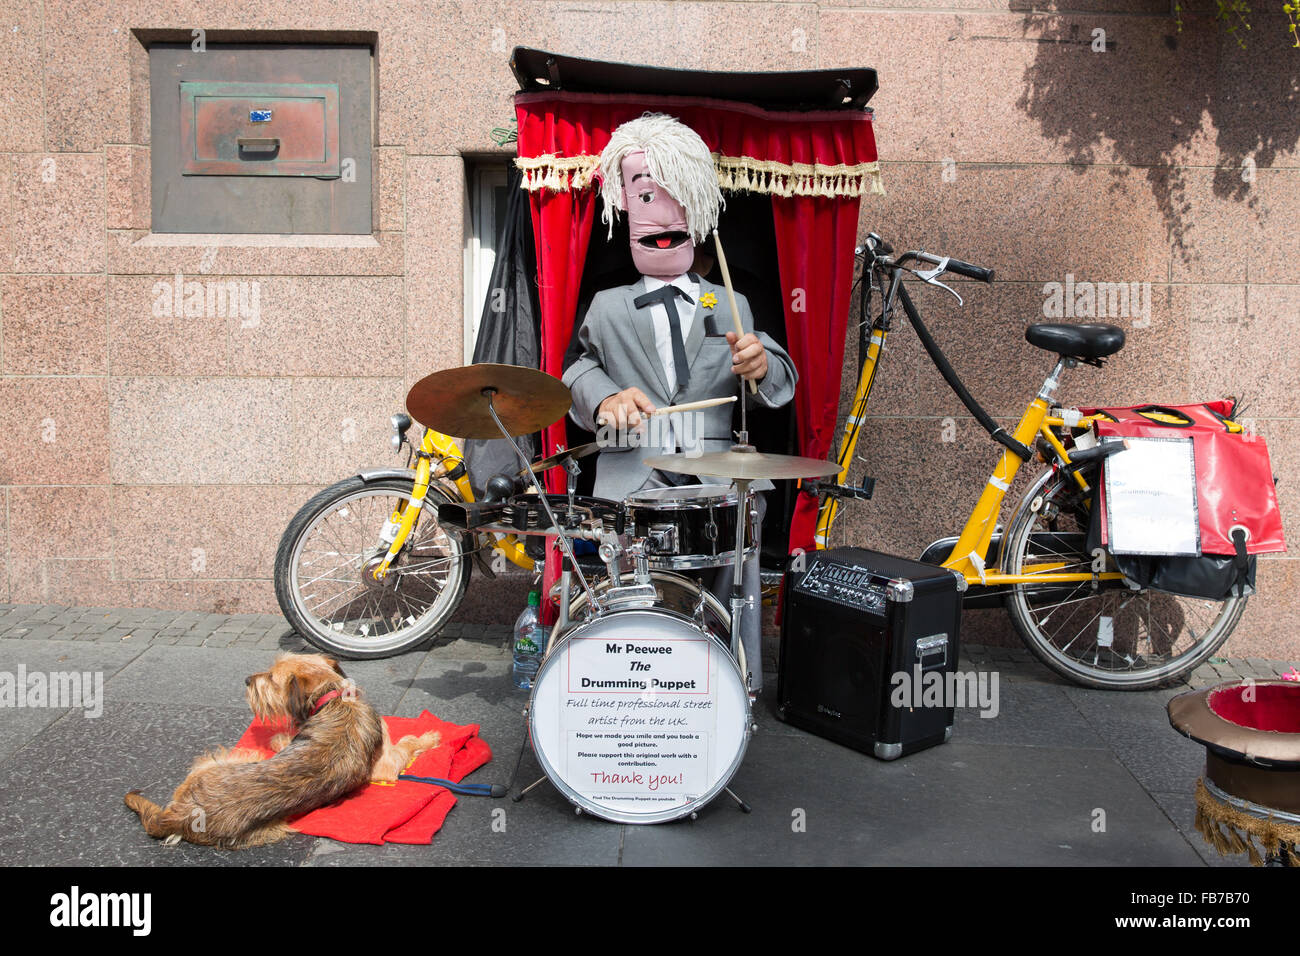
[[483, 563]]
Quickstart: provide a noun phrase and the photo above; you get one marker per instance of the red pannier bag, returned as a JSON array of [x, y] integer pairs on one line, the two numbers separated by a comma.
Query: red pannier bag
[[1234, 479]]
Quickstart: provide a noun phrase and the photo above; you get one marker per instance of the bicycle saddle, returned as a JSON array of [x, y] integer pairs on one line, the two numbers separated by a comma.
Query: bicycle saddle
[[1079, 341]]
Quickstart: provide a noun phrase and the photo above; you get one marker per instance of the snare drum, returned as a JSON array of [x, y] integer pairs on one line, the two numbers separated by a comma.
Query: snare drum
[[639, 716], [688, 526]]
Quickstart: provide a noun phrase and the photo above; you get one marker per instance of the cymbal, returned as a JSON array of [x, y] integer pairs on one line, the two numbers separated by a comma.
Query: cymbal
[[745, 465], [453, 401], [560, 457]]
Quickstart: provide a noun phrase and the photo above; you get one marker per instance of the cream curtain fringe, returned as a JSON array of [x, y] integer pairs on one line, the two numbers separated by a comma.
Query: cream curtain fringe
[[735, 174]]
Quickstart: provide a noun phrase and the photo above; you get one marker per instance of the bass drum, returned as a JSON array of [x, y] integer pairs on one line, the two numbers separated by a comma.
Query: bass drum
[[639, 716]]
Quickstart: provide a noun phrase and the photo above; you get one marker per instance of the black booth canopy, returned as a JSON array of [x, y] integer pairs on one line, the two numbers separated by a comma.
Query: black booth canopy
[[847, 89]]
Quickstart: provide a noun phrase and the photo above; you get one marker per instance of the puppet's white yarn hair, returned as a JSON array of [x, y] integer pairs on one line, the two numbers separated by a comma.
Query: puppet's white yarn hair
[[677, 158]]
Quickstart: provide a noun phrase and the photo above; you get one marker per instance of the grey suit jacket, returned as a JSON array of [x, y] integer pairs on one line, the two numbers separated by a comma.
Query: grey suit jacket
[[618, 351]]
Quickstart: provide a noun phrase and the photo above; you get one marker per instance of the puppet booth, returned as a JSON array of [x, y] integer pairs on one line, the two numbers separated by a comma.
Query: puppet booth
[[794, 153]]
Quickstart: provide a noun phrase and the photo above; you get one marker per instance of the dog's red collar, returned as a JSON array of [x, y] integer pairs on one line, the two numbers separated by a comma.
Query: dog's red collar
[[325, 699]]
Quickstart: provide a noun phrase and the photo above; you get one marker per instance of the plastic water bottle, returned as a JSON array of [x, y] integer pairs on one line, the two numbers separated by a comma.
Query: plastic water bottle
[[530, 642]]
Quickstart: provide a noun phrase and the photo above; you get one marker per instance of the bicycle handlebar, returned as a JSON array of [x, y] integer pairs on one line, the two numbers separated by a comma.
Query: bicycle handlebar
[[970, 271], [960, 267]]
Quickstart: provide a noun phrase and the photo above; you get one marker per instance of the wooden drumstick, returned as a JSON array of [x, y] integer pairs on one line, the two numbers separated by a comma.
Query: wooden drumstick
[[731, 298], [692, 406]]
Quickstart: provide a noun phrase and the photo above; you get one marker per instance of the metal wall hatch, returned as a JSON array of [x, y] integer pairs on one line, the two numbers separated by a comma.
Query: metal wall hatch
[[261, 138], [260, 129]]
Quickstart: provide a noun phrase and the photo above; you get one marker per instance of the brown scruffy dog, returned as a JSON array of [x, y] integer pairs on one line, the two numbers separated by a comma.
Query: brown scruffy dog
[[235, 798]]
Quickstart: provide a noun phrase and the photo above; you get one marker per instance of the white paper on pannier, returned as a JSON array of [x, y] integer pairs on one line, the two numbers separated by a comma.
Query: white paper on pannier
[[1151, 498]]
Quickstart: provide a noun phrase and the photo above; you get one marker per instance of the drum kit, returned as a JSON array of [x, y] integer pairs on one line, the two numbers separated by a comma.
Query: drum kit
[[640, 711]]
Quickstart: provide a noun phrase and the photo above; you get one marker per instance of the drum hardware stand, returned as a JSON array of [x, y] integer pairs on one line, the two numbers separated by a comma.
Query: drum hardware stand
[[567, 565], [744, 807], [566, 585], [563, 538], [524, 792], [611, 551], [739, 603], [641, 592]]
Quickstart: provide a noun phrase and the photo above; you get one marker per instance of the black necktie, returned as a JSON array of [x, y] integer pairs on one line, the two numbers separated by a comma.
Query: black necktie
[[668, 295]]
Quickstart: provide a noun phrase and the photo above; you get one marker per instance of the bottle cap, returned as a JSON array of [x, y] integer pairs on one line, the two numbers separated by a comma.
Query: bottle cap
[[534, 598]]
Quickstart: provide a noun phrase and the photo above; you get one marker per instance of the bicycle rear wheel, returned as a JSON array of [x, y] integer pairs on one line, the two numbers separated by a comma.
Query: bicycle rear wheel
[[1102, 635]]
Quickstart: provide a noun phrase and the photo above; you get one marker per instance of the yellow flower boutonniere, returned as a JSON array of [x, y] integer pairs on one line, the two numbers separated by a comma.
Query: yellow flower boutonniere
[[708, 300]]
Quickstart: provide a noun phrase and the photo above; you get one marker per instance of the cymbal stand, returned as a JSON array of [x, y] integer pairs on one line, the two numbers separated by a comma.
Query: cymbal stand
[[739, 604], [592, 598], [571, 468]]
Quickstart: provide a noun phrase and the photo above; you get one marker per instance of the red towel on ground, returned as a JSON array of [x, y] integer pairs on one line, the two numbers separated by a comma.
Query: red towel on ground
[[405, 812]]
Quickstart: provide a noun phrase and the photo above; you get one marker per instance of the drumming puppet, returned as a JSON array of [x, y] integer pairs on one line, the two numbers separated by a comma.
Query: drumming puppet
[[669, 338]]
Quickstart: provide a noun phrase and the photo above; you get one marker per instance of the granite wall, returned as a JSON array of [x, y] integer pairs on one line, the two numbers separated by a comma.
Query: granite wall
[[154, 461]]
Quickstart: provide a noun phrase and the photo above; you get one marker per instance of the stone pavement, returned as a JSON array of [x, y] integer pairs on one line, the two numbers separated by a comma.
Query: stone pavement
[[1024, 787]]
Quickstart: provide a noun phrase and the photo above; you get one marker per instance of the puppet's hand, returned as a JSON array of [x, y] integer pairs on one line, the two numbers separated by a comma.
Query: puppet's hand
[[748, 357], [624, 409]]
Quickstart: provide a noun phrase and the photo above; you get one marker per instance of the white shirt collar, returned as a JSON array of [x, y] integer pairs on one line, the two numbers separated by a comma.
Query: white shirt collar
[[682, 282]]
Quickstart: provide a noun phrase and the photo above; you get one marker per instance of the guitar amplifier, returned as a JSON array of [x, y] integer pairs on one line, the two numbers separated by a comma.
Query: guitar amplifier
[[861, 632]]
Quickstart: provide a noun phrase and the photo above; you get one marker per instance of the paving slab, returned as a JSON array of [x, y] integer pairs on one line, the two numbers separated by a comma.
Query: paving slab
[[959, 804], [1180, 807], [1135, 727], [201, 676], [20, 725], [61, 800]]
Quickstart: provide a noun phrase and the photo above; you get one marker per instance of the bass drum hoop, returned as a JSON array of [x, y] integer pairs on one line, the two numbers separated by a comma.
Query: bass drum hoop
[[617, 816], [664, 581]]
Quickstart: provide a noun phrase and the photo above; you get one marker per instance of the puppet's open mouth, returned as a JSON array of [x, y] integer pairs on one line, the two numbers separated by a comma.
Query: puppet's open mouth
[[664, 240]]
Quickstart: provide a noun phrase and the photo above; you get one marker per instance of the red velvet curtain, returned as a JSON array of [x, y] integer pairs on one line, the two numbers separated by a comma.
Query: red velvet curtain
[[815, 165], [562, 229], [815, 237]]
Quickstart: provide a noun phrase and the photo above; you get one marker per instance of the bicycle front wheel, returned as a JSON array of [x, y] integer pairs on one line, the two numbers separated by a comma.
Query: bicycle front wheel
[[323, 580], [1101, 634]]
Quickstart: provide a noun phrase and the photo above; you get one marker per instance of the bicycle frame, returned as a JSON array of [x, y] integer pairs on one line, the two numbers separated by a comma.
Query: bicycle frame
[[435, 446], [969, 555]]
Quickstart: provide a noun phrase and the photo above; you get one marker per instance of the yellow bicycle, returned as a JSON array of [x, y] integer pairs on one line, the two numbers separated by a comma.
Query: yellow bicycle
[[362, 571], [1069, 603]]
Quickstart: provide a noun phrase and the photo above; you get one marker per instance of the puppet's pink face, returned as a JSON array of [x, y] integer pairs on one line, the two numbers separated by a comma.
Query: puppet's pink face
[[661, 246]]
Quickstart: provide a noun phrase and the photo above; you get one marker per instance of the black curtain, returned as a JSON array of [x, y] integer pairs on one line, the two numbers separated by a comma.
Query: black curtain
[[508, 328]]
